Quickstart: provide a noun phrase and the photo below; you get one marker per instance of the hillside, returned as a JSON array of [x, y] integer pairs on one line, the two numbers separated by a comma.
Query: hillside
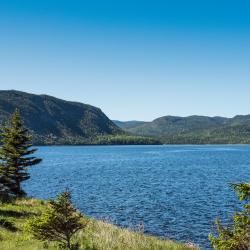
[[55, 121], [127, 124], [98, 234], [196, 129]]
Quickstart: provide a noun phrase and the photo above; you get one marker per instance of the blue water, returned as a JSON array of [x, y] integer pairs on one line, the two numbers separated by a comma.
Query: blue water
[[175, 191]]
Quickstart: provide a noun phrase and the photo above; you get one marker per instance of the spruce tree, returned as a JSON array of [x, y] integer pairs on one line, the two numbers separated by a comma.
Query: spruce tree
[[59, 223], [5, 192], [15, 154]]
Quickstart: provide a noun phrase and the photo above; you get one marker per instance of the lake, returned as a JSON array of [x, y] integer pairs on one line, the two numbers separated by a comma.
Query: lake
[[175, 192]]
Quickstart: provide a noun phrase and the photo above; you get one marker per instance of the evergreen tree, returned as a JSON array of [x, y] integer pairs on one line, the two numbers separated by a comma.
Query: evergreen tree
[[15, 154], [59, 223], [237, 235], [5, 192]]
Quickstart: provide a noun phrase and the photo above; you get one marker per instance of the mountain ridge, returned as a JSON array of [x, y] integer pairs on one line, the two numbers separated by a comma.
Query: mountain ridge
[[55, 121], [196, 129]]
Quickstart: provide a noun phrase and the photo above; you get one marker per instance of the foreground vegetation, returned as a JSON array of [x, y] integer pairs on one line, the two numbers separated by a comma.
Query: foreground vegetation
[[236, 235], [97, 234]]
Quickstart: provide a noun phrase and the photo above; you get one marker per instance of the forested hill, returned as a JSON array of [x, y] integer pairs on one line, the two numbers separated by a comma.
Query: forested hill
[[128, 124], [195, 129], [55, 121]]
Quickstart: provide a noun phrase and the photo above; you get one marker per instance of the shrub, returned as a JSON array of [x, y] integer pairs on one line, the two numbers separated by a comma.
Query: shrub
[[237, 235], [59, 223]]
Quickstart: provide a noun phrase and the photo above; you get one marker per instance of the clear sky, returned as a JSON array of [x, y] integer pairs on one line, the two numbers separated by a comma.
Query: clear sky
[[135, 59]]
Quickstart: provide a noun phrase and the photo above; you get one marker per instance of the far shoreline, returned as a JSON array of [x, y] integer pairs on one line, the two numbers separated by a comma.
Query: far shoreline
[[112, 145]]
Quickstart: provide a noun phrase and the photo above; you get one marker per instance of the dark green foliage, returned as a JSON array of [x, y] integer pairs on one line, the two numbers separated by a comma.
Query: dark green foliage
[[5, 193], [194, 129], [243, 190], [4, 223], [236, 236], [126, 140], [59, 223], [15, 155]]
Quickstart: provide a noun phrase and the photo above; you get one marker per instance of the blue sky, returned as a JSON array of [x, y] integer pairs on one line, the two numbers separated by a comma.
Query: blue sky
[[133, 59]]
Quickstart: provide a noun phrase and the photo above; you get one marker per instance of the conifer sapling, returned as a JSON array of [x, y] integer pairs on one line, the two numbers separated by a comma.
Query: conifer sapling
[[59, 223]]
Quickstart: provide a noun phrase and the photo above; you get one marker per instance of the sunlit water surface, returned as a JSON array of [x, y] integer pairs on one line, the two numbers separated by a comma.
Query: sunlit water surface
[[176, 192]]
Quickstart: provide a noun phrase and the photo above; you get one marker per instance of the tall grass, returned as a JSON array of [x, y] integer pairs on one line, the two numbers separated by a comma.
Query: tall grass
[[98, 235]]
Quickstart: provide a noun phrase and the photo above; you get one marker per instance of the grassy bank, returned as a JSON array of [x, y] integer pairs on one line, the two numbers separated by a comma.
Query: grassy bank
[[98, 235]]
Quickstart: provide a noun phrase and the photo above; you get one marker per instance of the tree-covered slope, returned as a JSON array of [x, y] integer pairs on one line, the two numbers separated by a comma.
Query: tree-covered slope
[[55, 121], [196, 129], [128, 124]]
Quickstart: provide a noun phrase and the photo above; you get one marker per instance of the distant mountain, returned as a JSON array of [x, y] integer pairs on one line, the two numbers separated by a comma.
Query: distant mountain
[[195, 129], [55, 121], [127, 124]]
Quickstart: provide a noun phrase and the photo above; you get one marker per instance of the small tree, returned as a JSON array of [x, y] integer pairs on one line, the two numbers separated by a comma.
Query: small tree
[[15, 154], [236, 236], [59, 223]]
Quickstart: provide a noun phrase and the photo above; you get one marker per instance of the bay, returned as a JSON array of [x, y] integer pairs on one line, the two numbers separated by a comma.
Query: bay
[[174, 192]]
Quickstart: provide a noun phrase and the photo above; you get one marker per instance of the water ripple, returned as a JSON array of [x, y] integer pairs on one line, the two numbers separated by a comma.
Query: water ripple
[[175, 191]]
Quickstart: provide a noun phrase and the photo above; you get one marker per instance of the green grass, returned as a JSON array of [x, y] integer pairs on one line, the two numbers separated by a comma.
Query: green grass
[[98, 235]]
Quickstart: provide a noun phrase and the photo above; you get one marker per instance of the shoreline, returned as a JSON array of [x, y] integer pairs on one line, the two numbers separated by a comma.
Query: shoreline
[[98, 234]]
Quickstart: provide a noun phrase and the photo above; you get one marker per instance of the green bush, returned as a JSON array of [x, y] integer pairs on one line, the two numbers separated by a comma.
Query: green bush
[[237, 235]]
